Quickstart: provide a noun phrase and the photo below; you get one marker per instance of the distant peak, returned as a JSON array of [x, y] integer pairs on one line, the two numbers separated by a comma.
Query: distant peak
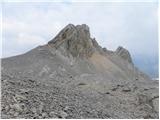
[[124, 53]]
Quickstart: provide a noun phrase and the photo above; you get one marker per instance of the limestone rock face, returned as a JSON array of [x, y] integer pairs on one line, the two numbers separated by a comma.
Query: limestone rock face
[[75, 40], [122, 52]]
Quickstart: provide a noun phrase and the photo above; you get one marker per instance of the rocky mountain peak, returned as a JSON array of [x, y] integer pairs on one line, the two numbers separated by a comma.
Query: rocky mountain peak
[[106, 85], [124, 53], [75, 40]]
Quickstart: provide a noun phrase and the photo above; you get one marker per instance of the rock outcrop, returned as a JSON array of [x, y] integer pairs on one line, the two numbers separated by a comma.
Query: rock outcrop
[[72, 76], [122, 52], [75, 40]]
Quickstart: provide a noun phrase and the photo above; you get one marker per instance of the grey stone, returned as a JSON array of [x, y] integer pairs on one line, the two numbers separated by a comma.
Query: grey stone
[[156, 104], [16, 107], [126, 89], [16, 114], [52, 114], [34, 110], [44, 115], [63, 114], [7, 108]]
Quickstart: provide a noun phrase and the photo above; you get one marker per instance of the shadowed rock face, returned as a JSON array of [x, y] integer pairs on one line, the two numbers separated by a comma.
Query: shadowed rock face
[[72, 76]]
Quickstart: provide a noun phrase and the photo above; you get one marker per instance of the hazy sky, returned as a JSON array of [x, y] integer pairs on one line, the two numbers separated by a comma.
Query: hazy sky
[[133, 25]]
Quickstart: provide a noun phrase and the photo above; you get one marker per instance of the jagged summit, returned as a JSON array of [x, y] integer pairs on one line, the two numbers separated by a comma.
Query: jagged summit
[[70, 30], [76, 40]]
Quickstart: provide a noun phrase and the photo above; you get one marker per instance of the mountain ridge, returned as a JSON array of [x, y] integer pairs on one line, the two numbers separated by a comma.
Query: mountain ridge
[[72, 76], [83, 31]]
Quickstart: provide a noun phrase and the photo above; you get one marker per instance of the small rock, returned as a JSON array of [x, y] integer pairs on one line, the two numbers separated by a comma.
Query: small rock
[[70, 76], [20, 97], [66, 108], [44, 115], [156, 105], [7, 108], [40, 117], [16, 114], [126, 89], [143, 111], [16, 107], [63, 114], [41, 107], [34, 110], [142, 99], [81, 84], [11, 112], [107, 93], [24, 90], [53, 114]]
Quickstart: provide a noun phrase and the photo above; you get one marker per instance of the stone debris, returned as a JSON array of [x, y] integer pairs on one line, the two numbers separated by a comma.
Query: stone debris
[[16, 107]]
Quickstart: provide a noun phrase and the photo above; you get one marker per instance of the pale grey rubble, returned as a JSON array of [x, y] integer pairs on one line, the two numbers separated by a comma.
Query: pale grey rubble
[[72, 76]]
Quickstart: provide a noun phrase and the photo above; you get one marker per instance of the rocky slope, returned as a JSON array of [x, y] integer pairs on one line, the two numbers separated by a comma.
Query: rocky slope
[[72, 76]]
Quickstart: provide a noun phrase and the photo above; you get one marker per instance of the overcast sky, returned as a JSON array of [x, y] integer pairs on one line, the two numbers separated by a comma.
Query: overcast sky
[[133, 25]]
